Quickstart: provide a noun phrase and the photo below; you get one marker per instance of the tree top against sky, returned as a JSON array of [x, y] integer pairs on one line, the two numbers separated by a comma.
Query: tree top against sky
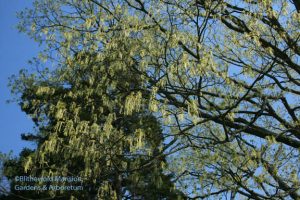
[[220, 77]]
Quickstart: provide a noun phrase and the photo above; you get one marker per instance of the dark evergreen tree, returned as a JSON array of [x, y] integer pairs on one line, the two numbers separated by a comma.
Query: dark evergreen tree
[[127, 164]]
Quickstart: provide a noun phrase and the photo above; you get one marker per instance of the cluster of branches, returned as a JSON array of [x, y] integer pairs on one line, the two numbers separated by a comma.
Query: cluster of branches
[[221, 77]]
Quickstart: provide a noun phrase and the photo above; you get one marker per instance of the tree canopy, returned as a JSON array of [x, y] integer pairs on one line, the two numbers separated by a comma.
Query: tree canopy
[[206, 92]]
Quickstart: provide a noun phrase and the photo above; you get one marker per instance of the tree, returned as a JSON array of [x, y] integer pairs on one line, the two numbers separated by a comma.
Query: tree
[[93, 139], [221, 76]]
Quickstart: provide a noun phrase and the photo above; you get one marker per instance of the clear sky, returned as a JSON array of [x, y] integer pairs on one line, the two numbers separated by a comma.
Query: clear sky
[[15, 51]]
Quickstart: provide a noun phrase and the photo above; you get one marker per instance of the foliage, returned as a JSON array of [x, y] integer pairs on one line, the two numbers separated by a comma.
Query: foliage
[[80, 124], [221, 77]]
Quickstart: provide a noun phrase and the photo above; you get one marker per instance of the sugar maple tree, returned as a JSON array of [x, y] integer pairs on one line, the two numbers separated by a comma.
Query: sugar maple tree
[[221, 76]]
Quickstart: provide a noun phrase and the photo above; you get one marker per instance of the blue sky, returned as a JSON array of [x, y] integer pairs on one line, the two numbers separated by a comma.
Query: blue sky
[[15, 51]]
